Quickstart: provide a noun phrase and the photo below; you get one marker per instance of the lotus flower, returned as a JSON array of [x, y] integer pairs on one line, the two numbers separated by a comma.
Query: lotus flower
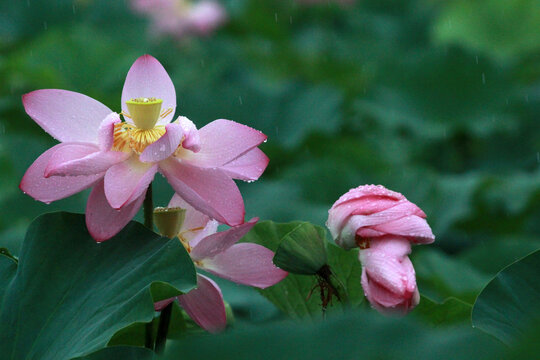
[[118, 159], [217, 253], [181, 18], [383, 224]]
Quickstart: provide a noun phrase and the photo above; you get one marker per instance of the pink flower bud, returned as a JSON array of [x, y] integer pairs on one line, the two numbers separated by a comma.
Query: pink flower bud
[[383, 224], [388, 276], [371, 212]]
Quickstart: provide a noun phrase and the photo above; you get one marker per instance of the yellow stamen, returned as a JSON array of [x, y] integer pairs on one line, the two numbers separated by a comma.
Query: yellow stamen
[[184, 242], [128, 137], [165, 113], [125, 114], [196, 229]]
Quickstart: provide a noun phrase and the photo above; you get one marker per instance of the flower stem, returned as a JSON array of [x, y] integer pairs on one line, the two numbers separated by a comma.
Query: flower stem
[[148, 207], [163, 328], [148, 338]]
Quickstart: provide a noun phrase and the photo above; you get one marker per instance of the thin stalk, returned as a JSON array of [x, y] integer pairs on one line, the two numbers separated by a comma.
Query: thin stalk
[[163, 328], [148, 207], [148, 338]]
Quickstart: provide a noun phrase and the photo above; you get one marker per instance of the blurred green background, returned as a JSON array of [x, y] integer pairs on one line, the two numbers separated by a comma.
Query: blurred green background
[[439, 100]]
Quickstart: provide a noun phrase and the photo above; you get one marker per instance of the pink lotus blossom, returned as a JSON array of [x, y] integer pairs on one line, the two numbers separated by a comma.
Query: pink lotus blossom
[[383, 224], [182, 17], [218, 254], [118, 159]]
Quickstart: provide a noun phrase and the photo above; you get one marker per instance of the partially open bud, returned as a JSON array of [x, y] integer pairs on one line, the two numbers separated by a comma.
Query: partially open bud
[[169, 221], [144, 112], [382, 224]]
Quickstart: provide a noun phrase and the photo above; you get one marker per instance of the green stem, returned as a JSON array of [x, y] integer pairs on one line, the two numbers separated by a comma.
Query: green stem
[[148, 338], [163, 328], [148, 207]]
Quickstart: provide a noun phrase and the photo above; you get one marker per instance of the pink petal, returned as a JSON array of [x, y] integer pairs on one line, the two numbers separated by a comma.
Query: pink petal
[[194, 218], [369, 233], [378, 295], [392, 246], [160, 305], [223, 141], [368, 190], [165, 146], [387, 302], [210, 191], [196, 225], [356, 223], [387, 264], [210, 228], [381, 211], [413, 227], [106, 131], [95, 163], [192, 140], [368, 205], [67, 116], [248, 167], [102, 221], [246, 263], [69, 152], [54, 188], [127, 181], [355, 203], [147, 78], [205, 305], [217, 243]]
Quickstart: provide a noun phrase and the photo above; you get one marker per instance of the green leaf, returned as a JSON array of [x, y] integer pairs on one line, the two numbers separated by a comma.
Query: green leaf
[[490, 257], [449, 312], [298, 295], [120, 352], [135, 334], [5, 252], [511, 301], [71, 294], [8, 267], [496, 27], [354, 335], [440, 276], [303, 250]]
